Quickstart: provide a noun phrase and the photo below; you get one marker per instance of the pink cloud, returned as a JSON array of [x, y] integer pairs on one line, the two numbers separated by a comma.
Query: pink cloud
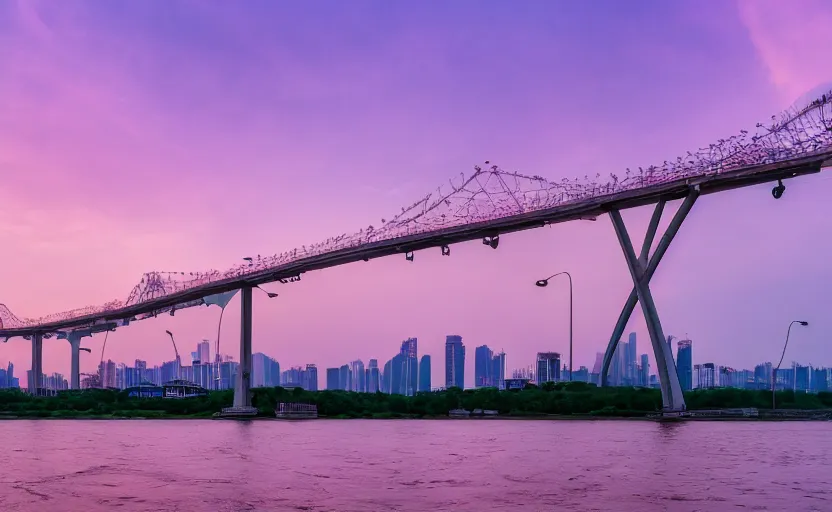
[[792, 40]]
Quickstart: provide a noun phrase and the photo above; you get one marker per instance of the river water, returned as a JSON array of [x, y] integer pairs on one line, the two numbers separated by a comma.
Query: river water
[[410, 465]]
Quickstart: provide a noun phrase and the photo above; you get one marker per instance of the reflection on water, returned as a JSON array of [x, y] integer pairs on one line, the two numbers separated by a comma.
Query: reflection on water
[[414, 465]]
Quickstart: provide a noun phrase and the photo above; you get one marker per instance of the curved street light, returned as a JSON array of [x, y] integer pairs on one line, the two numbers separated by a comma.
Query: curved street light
[[774, 371], [542, 283], [270, 294]]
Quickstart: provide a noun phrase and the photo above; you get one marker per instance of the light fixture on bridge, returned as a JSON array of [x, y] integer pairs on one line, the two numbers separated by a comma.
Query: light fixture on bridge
[[172, 310], [777, 191], [491, 241], [446, 251], [408, 255], [249, 260], [542, 283], [290, 279]]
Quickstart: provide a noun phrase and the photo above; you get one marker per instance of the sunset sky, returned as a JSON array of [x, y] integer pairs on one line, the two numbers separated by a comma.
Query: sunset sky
[[184, 135]]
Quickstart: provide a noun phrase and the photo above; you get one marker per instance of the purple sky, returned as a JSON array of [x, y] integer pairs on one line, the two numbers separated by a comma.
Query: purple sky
[[161, 135]]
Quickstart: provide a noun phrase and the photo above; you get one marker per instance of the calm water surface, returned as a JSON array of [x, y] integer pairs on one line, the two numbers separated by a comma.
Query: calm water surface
[[413, 465]]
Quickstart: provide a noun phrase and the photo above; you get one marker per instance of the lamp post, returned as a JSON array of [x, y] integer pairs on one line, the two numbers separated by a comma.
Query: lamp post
[[774, 371], [545, 282]]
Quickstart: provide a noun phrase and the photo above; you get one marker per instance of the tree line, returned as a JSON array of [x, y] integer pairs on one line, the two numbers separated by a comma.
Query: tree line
[[565, 398]]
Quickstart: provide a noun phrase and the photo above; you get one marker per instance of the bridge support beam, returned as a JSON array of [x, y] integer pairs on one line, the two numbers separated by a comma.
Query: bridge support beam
[[242, 389], [37, 364], [75, 370], [642, 269]]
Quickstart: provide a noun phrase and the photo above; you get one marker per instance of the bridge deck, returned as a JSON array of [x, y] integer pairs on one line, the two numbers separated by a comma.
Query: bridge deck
[[588, 208]]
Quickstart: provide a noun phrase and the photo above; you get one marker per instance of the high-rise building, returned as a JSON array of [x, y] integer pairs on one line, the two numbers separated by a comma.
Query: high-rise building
[[260, 366], [424, 373], [684, 364], [482, 366], [333, 376], [820, 382], [801, 378], [454, 362], [345, 379], [204, 351], [410, 369], [498, 370], [631, 361], [548, 367], [309, 379], [387, 378], [107, 374], [373, 377], [357, 375], [762, 376], [644, 372], [704, 375]]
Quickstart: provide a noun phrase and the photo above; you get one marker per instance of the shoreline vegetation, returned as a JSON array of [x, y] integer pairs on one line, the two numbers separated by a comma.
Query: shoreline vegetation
[[567, 401]]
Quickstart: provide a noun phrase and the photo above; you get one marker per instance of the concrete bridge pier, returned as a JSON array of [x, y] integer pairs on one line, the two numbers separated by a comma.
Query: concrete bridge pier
[[75, 371], [642, 269], [242, 388], [37, 364]]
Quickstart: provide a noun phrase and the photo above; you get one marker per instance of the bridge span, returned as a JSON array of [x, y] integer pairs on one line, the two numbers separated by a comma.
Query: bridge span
[[483, 205]]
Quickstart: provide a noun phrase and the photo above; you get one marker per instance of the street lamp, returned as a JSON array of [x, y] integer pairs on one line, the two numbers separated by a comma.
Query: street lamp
[[545, 282], [270, 294], [774, 371]]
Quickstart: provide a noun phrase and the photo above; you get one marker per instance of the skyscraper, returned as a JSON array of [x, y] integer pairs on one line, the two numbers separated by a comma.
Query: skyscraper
[[482, 366], [258, 368], [373, 377], [684, 364], [204, 351], [498, 370], [644, 371], [548, 367], [309, 378], [333, 376], [345, 379], [358, 377], [424, 373], [410, 369], [631, 361], [454, 362], [387, 377]]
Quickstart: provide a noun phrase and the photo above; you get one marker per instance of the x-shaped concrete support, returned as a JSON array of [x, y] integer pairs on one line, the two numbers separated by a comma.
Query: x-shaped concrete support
[[642, 270]]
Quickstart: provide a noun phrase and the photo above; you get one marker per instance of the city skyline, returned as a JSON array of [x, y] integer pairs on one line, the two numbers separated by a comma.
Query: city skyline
[[114, 221], [628, 368]]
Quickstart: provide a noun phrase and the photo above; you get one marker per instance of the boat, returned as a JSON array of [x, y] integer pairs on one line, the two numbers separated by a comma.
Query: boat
[[459, 413]]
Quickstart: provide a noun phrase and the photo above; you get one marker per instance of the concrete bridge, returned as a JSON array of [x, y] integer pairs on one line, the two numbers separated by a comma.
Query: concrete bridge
[[484, 205]]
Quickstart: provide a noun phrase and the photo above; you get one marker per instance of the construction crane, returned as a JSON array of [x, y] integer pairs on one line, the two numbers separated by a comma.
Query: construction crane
[[174, 347]]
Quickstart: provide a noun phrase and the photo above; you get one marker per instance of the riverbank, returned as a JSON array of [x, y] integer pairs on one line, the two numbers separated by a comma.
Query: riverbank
[[552, 401]]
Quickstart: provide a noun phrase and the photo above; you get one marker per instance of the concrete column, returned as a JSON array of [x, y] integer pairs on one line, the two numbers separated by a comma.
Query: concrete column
[[672, 397], [37, 363], [650, 269], [242, 394], [75, 372]]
